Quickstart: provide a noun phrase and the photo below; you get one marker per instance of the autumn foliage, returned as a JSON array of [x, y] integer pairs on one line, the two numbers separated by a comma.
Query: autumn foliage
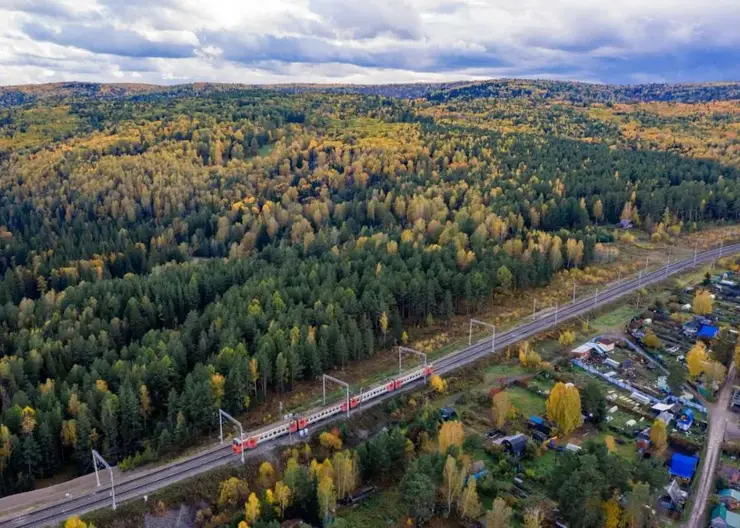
[[703, 303], [696, 359], [658, 436], [438, 384], [207, 247], [330, 440], [450, 434], [564, 407]]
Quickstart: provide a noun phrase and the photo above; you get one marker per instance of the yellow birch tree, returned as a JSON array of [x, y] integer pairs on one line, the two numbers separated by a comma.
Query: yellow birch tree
[[450, 434]]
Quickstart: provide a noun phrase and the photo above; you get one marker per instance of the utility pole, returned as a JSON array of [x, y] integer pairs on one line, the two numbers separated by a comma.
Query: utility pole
[[223, 415], [487, 325], [574, 292], [407, 350], [619, 277], [647, 261], [340, 382], [99, 459]]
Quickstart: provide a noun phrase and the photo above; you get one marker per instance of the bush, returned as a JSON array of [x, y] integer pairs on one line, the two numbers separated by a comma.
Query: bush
[[464, 398], [392, 405], [139, 459], [482, 399], [473, 442], [486, 485]]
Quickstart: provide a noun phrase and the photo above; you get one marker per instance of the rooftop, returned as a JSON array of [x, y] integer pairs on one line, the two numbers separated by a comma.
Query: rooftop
[[708, 331], [731, 493], [730, 518], [683, 466]]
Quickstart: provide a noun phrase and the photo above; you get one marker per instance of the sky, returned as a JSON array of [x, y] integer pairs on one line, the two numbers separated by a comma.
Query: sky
[[368, 41]]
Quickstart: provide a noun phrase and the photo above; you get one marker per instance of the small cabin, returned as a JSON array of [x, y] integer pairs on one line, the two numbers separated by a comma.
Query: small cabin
[[721, 517], [515, 445], [360, 495], [583, 351], [730, 498], [683, 466], [606, 344], [707, 332], [685, 419], [540, 424]]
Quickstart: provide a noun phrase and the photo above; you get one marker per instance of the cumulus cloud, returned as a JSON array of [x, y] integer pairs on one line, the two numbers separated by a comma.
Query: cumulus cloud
[[165, 41], [106, 39], [366, 20]]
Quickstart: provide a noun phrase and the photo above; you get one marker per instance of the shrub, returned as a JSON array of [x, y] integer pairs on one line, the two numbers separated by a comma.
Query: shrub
[[131, 462]]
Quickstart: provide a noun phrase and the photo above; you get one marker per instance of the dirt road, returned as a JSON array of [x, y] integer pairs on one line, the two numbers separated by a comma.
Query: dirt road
[[719, 415]]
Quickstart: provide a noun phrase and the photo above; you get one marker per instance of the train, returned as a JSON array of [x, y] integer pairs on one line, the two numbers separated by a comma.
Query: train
[[300, 423]]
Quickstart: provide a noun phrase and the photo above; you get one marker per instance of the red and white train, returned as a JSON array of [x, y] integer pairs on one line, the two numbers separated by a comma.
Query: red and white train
[[300, 423]]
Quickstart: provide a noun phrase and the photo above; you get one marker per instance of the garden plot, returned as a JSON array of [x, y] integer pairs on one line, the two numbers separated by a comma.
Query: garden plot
[[625, 368], [636, 386], [670, 332], [727, 301]]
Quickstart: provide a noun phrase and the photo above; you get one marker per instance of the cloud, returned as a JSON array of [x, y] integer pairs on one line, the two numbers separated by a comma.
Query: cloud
[[108, 40], [248, 41], [40, 7], [366, 20], [306, 49]]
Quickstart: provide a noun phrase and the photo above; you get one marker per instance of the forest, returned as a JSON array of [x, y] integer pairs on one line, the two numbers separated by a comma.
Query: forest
[[168, 252]]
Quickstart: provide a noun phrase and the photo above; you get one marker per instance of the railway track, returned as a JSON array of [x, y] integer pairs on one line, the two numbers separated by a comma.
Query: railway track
[[147, 482]]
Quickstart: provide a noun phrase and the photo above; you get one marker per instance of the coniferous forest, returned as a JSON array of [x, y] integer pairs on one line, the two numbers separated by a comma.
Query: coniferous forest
[[168, 251]]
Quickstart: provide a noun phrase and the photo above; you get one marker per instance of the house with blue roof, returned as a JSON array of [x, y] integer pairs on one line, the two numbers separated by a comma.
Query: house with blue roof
[[723, 518], [707, 331], [540, 424], [685, 419], [683, 466]]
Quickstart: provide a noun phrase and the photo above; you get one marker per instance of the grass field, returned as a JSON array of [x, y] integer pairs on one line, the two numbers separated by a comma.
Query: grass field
[[545, 464], [526, 402], [384, 509], [627, 450], [614, 319], [503, 370]]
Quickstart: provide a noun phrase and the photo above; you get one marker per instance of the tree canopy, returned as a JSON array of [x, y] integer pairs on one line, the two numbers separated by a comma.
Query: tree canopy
[[164, 253]]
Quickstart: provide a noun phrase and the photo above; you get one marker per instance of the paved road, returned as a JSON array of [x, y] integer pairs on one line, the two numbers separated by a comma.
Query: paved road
[[719, 415], [145, 482]]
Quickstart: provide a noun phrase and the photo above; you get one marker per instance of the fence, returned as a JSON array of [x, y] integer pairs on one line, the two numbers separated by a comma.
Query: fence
[[621, 384]]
